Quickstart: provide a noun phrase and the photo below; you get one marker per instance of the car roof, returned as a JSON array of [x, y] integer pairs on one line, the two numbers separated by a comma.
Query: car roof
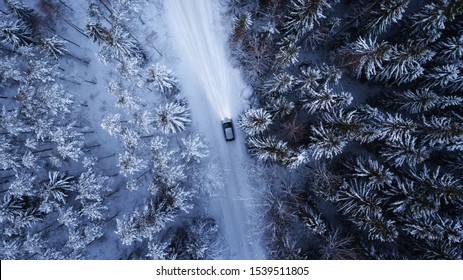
[[229, 133]]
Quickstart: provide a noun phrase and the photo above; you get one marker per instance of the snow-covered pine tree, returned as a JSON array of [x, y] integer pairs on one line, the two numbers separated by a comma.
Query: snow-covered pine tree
[[447, 77], [324, 99], [201, 238], [122, 45], [57, 187], [157, 250], [371, 171], [279, 107], [14, 32], [168, 172], [309, 78], [161, 78], [129, 67], [79, 238], [130, 138], [70, 141], [395, 127], [268, 149], [389, 12], [255, 121], [288, 53], [145, 120], [280, 84], [112, 124], [429, 22], [97, 32], [321, 35], [358, 201], [241, 25], [125, 98], [348, 124], [68, 217], [53, 46], [406, 150], [335, 246], [311, 220], [405, 63], [325, 143], [172, 117], [91, 186], [304, 15], [194, 149], [451, 48], [380, 228], [23, 185], [440, 185], [21, 11], [365, 57], [130, 164], [420, 100], [442, 132]]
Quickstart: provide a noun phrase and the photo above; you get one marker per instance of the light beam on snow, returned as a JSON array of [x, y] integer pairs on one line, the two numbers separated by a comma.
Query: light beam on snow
[[193, 23]]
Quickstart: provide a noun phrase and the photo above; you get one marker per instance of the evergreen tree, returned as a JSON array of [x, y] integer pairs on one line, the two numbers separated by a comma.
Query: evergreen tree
[[325, 143], [405, 63], [358, 201], [451, 48], [130, 164], [324, 99], [57, 187], [172, 117], [310, 78], [445, 77], [279, 107], [311, 220], [442, 131], [304, 15], [280, 84], [428, 22], [97, 32], [112, 124], [122, 45], [268, 148], [53, 46], [201, 238], [288, 53], [421, 100], [194, 149], [21, 11], [389, 12], [380, 228], [371, 171], [394, 127], [161, 78], [241, 25], [157, 250], [255, 121], [365, 57], [15, 32], [335, 246], [406, 150]]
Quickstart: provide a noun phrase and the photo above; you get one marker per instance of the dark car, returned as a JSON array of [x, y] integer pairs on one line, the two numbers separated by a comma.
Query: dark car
[[228, 131]]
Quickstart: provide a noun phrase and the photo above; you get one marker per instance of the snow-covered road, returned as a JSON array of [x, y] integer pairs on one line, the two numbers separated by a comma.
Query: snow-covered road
[[215, 90]]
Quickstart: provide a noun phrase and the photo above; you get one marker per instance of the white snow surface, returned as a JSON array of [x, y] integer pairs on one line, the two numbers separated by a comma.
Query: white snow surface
[[215, 90]]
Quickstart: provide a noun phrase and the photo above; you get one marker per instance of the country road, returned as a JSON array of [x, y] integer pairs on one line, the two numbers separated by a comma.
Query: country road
[[215, 90]]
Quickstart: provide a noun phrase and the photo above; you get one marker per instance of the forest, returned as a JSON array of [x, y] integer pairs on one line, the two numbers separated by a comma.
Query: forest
[[354, 125]]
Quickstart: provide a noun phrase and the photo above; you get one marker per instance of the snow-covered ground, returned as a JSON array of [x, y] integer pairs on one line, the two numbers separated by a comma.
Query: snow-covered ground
[[215, 90]]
